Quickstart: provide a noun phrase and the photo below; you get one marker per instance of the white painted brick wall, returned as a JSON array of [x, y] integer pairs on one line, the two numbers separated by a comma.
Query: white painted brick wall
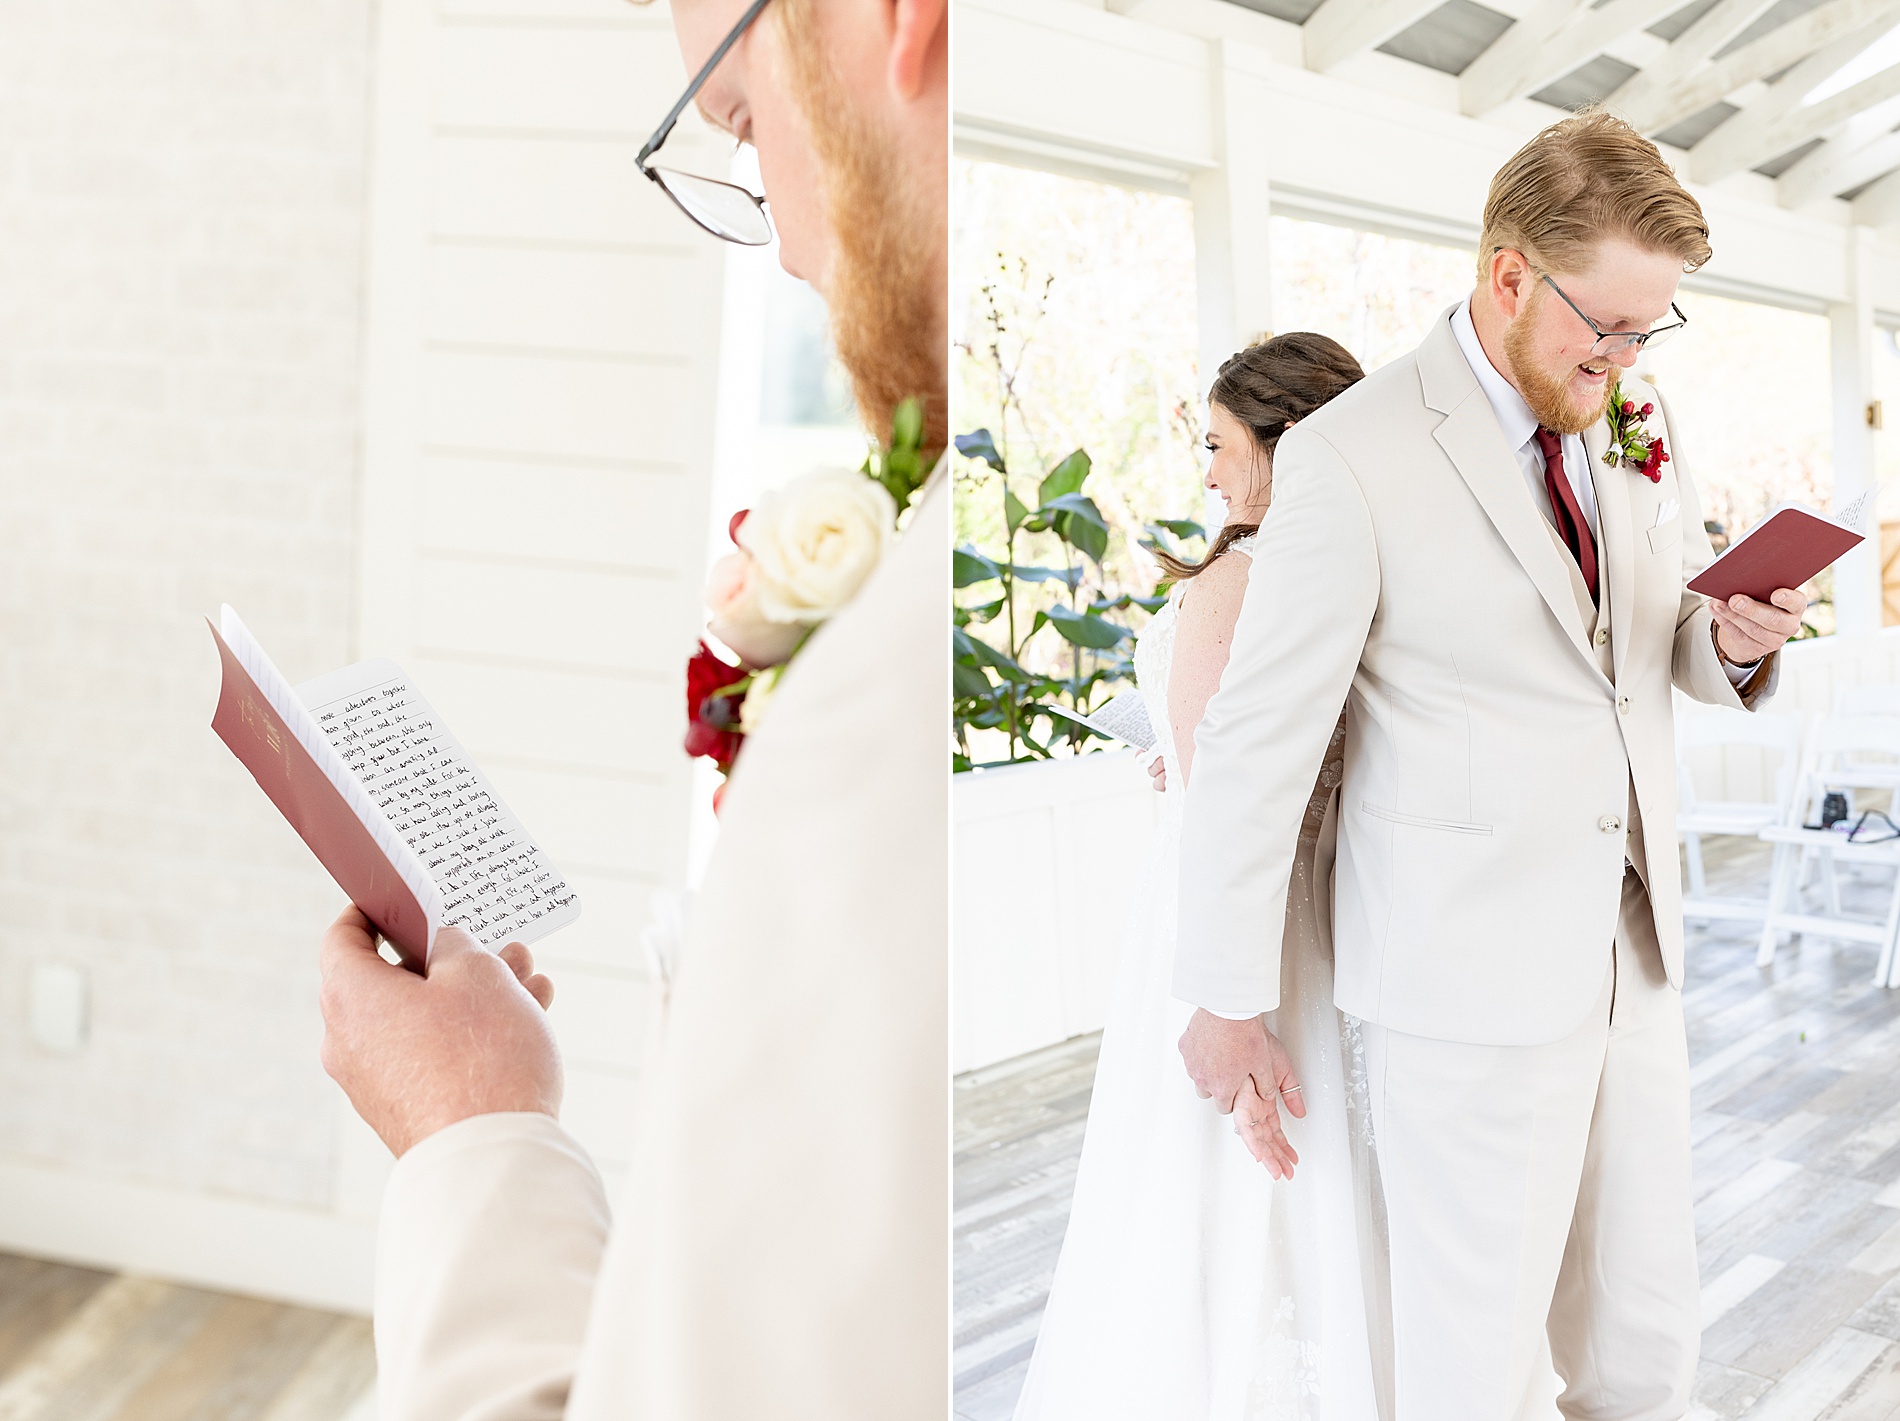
[[182, 227]]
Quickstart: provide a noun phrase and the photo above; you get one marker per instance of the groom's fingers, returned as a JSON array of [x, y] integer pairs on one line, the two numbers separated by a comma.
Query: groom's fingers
[[1767, 621], [1754, 642]]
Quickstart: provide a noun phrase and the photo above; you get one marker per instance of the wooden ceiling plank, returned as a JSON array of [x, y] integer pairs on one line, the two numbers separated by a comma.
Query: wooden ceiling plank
[[1879, 205], [1640, 98], [1867, 149], [1549, 42], [1777, 122], [1339, 29], [1489, 79], [1801, 36]]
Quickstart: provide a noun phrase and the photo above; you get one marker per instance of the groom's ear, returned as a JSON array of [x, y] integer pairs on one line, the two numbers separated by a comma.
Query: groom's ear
[[918, 40], [1510, 279]]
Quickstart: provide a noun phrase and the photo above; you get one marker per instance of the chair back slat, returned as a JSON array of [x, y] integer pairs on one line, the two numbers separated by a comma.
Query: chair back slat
[[1718, 727]]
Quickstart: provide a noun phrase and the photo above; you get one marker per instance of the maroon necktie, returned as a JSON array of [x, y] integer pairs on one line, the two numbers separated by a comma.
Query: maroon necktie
[[1571, 524]]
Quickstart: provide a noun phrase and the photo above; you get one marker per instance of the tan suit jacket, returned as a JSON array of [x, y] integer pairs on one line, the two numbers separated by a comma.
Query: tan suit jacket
[[782, 1252], [1500, 761]]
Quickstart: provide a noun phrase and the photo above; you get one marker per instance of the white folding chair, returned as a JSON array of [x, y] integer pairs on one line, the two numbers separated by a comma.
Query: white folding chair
[[1862, 772], [1698, 818], [1855, 772], [1834, 746]]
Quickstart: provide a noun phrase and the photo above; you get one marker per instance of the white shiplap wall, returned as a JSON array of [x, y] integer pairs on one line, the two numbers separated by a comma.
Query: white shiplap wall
[[542, 369], [361, 318]]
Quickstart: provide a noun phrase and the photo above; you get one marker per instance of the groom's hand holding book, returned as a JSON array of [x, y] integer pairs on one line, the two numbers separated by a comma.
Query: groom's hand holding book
[[400, 1044], [1747, 630]]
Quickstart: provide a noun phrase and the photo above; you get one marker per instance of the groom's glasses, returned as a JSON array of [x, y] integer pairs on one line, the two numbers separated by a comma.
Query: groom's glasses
[[723, 209], [1616, 342]]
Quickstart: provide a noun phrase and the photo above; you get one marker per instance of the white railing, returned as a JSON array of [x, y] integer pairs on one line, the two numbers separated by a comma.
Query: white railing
[[1046, 860]]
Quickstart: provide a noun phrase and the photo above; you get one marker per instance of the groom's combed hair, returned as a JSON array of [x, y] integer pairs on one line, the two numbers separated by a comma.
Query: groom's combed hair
[[1586, 178]]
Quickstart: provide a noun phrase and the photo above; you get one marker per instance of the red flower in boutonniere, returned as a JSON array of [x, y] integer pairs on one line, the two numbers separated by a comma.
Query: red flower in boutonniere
[[1630, 444], [715, 694]]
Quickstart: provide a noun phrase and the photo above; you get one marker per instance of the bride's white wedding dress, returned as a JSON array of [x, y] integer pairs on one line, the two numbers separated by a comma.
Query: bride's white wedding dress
[[1192, 1286]]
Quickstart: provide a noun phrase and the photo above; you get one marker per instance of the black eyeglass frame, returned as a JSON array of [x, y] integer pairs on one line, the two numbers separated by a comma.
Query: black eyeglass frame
[[665, 130], [1631, 339]]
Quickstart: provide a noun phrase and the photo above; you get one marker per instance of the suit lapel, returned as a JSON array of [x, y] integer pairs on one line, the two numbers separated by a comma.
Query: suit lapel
[[1617, 553], [1470, 438]]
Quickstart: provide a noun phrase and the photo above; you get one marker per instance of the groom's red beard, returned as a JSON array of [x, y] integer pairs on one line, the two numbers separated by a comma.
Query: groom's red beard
[[885, 287], [1548, 395]]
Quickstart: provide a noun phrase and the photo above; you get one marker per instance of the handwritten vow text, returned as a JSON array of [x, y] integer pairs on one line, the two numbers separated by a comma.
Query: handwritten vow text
[[494, 880]]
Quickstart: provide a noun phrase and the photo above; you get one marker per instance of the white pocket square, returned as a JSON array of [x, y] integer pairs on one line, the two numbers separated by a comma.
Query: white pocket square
[[1667, 510]]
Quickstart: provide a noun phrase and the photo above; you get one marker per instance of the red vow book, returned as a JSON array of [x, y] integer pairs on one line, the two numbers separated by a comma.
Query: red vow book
[[387, 800], [1785, 549]]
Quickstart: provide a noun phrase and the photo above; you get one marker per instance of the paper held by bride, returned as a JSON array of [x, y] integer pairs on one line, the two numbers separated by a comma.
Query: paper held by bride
[[1123, 717], [387, 799]]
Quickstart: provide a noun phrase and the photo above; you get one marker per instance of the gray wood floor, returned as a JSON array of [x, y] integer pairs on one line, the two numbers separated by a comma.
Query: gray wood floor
[[1796, 1080], [80, 1345]]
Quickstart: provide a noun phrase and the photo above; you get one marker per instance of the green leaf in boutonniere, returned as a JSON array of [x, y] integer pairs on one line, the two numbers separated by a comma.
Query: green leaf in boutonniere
[[901, 466]]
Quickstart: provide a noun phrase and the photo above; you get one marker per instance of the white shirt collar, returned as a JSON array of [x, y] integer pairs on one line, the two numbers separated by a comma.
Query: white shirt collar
[[1514, 416]]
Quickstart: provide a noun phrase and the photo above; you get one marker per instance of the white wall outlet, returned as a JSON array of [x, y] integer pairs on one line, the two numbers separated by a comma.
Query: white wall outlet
[[57, 1006]]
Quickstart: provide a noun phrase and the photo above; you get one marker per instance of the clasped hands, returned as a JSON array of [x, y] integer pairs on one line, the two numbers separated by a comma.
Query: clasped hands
[[1246, 1072], [417, 1054]]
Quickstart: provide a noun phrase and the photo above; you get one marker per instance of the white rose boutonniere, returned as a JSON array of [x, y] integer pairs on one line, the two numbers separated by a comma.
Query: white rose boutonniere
[[802, 553], [814, 541]]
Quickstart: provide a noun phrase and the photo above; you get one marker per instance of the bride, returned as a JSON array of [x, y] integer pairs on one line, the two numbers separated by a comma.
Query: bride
[[1204, 1277]]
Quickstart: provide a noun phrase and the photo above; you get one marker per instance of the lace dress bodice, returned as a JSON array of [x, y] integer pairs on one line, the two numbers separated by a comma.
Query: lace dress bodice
[[1154, 662]]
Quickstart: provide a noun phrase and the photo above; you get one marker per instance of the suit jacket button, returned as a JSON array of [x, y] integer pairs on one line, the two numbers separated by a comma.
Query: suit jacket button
[[1603, 636], [1609, 823], [1622, 705]]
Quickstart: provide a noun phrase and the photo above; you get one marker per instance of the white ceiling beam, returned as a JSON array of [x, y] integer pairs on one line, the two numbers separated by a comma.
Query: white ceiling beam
[[1868, 148], [1640, 98], [1549, 42], [1879, 206], [1759, 58], [1779, 121], [1339, 29]]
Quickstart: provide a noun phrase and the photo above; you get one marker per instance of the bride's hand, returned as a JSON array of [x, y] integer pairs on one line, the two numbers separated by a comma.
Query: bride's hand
[[1257, 1122], [1158, 772]]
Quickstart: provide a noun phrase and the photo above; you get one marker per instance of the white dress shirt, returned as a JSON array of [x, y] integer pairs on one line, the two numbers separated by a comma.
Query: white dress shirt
[[1519, 426]]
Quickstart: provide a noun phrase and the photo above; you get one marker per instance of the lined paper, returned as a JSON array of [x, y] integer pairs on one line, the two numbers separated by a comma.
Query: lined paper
[[495, 881]]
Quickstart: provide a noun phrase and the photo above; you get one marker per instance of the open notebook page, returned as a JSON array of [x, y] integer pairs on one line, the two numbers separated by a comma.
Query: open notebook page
[[495, 881]]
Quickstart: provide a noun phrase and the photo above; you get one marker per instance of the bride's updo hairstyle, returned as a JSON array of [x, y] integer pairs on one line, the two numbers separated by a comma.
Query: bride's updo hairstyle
[[1268, 387]]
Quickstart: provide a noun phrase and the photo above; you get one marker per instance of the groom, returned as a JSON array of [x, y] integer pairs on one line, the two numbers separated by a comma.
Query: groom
[[782, 1250], [1505, 618]]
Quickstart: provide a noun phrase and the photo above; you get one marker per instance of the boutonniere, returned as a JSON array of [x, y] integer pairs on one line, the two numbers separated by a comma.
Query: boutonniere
[[798, 557], [1631, 445]]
